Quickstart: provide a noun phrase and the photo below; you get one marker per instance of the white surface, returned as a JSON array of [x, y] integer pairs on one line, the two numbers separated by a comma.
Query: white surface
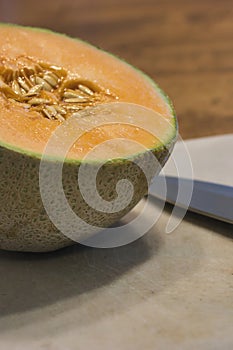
[[161, 292], [211, 159]]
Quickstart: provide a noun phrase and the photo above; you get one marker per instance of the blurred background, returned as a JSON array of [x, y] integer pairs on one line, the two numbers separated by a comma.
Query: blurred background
[[186, 46]]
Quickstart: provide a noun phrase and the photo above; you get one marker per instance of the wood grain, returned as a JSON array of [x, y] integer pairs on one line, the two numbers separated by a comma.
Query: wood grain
[[186, 46]]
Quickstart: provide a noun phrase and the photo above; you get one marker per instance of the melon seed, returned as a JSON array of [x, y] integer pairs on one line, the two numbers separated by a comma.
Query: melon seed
[[77, 99], [35, 90], [85, 89], [23, 84], [16, 88], [38, 101], [44, 83], [49, 78]]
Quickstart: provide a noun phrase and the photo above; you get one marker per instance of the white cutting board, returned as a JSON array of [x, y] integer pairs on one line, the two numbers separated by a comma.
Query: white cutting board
[[211, 159], [161, 292]]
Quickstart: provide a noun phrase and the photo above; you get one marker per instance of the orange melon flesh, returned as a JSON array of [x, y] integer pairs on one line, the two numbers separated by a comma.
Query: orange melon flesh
[[29, 132]]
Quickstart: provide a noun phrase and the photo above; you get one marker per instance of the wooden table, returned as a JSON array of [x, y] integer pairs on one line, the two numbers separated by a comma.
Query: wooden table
[[186, 46]]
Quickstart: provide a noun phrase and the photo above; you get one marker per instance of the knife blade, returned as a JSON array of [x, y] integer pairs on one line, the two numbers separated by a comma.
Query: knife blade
[[207, 198]]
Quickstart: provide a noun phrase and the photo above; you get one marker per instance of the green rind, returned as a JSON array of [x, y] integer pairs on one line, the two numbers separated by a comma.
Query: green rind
[[164, 96]]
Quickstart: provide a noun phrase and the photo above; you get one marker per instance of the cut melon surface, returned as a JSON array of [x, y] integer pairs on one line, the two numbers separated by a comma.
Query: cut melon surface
[[25, 129]]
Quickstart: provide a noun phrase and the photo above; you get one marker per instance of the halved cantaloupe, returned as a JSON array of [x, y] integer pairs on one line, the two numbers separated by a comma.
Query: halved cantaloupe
[[49, 81]]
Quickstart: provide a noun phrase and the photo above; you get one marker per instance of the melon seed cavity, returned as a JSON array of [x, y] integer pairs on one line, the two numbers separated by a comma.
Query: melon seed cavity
[[48, 89]]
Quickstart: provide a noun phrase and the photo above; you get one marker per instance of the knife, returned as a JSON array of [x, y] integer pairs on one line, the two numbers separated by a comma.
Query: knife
[[206, 198]]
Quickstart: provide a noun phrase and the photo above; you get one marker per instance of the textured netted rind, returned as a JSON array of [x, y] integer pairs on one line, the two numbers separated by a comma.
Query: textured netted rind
[[24, 223]]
